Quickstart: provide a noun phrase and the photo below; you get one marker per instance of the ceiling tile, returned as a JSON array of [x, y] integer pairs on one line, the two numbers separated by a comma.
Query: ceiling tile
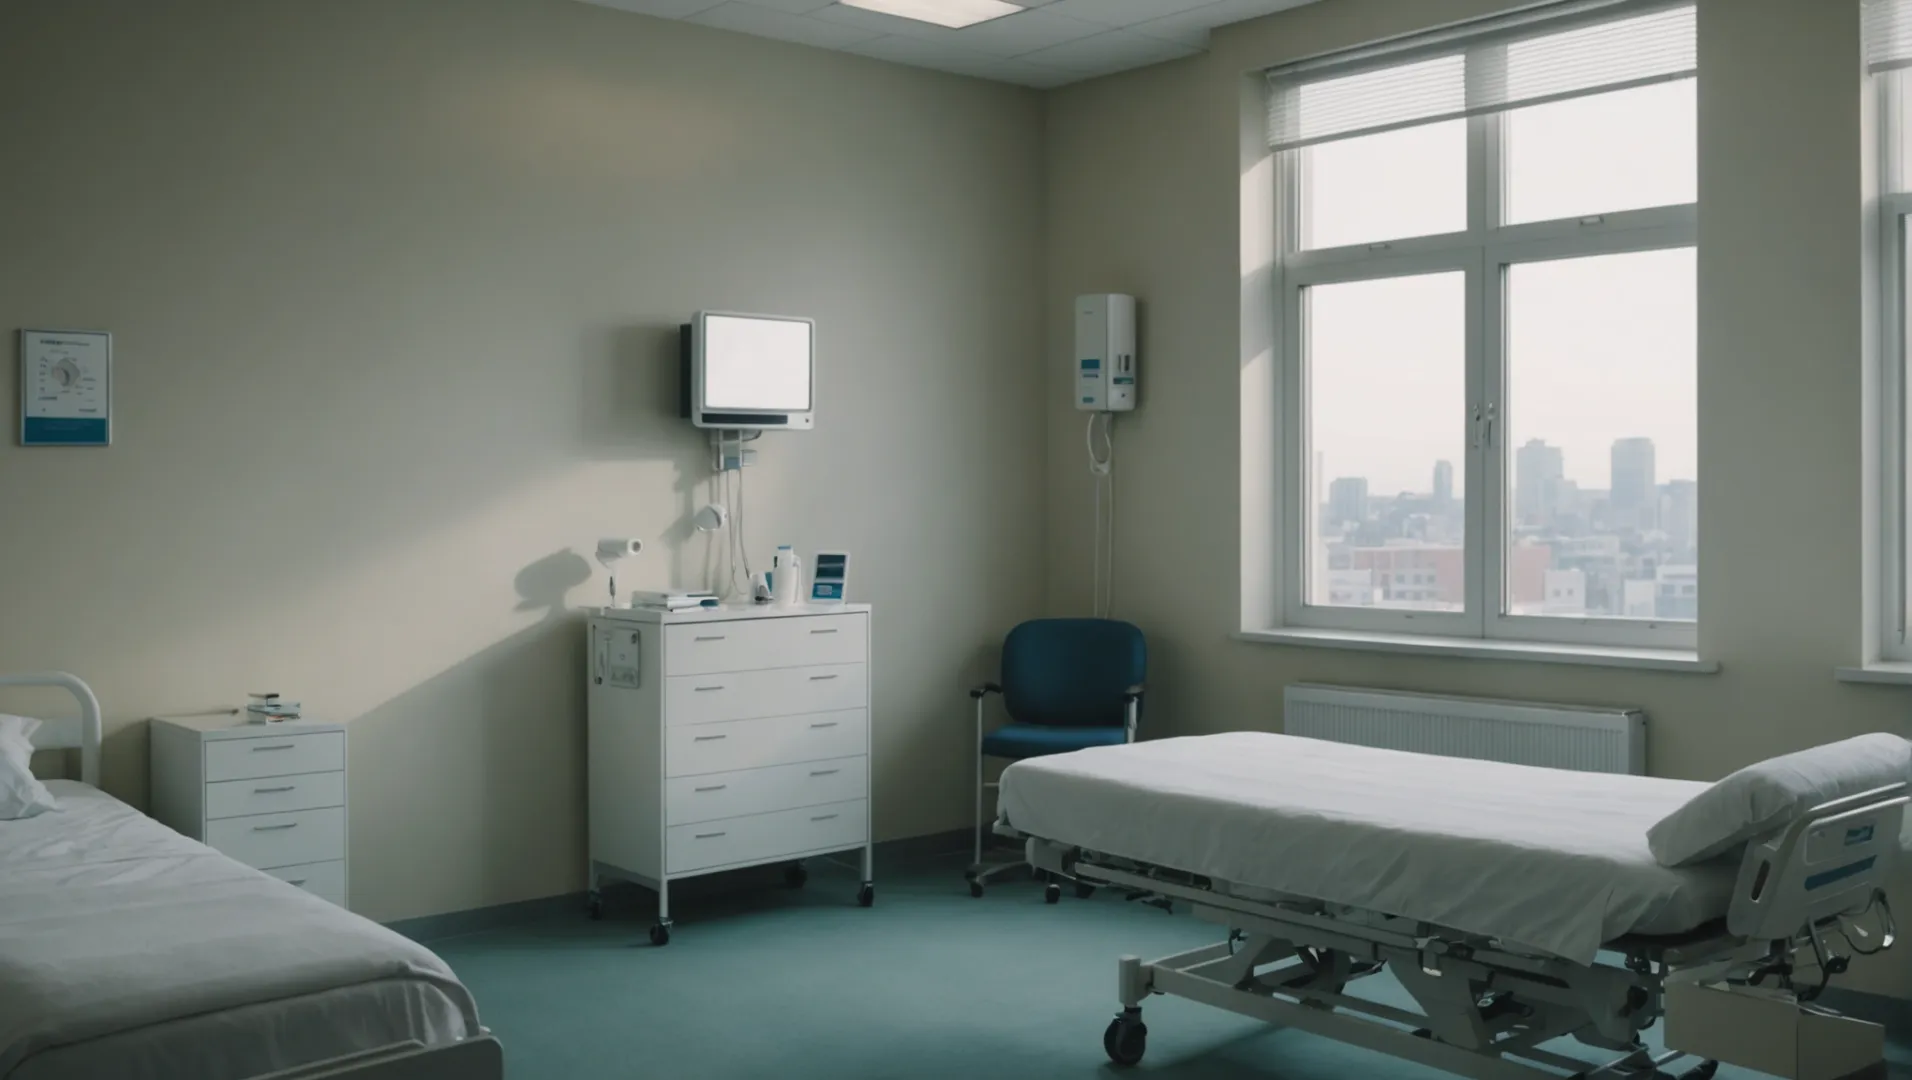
[[667, 9], [1114, 50], [794, 7], [1123, 12], [878, 23], [1014, 35], [765, 22], [1192, 26]]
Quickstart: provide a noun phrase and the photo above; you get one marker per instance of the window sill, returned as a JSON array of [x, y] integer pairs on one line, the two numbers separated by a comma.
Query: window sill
[[1681, 660], [1890, 672]]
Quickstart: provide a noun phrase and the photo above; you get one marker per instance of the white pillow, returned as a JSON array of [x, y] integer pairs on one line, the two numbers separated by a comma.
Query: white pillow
[[1759, 798], [22, 795]]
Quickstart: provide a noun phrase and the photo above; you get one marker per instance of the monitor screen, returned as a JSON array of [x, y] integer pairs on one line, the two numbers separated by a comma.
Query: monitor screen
[[756, 363]]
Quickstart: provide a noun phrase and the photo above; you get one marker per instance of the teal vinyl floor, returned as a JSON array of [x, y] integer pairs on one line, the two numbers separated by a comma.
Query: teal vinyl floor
[[763, 981]]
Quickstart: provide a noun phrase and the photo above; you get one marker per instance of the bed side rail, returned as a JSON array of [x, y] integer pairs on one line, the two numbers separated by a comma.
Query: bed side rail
[[478, 1058], [1833, 860]]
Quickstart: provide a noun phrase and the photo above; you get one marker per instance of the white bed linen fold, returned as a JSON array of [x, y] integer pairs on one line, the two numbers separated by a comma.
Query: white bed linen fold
[[127, 950], [1547, 860]]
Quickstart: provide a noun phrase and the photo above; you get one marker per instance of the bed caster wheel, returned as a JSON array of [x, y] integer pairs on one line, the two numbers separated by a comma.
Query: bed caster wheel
[[976, 889], [661, 934], [595, 908], [1051, 893], [795, 875], [1084, 890], [1127, 1038], [866, 895]]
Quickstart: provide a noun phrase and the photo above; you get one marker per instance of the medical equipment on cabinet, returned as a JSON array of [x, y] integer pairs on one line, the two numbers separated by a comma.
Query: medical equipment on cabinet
[[613, 550], [786, 577], [748, 372], [830, 577]]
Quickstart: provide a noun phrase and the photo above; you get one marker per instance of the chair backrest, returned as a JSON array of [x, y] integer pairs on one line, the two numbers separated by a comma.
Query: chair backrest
[[1071, 672]]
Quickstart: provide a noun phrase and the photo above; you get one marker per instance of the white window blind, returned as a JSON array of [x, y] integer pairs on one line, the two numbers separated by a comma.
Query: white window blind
[[1536, 56], [1888, 28]]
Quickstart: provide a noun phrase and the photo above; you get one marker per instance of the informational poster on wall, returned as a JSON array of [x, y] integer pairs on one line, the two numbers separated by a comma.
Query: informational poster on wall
[[66, 388]]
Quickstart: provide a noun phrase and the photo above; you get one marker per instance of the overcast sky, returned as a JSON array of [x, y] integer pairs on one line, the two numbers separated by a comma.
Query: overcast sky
[[1600, 348]]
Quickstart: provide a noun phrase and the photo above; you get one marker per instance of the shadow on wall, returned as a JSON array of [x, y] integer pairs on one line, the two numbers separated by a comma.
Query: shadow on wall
[[508, 718]]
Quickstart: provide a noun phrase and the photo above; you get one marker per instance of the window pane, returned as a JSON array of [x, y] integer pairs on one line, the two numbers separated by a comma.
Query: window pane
[[1411, 182], [1899, 169], [1598, 154], [1386, 377], [1602, 437]]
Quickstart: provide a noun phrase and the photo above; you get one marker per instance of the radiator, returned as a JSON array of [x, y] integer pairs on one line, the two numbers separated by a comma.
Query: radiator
[[1609, 740]]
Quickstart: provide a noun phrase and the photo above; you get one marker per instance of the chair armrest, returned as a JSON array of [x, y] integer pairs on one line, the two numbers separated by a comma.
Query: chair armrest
[[986, 688]]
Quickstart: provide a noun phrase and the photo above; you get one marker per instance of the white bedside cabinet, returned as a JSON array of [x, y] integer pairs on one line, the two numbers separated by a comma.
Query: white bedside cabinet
[[269, 795], [723, 738]]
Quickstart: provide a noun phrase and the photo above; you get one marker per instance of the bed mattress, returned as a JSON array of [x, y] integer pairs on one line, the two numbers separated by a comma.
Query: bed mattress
[[129, 951], [1547, 860]]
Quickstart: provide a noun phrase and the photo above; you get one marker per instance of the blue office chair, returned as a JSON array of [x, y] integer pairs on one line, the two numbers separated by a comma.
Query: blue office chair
[[1067, 684]]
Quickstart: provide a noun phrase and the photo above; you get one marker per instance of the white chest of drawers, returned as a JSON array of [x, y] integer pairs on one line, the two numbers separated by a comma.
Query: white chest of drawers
[[269, 795], [725, 738]]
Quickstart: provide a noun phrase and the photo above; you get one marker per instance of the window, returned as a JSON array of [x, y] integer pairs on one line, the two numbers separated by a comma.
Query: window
[[1487, 273], [1888, 26]]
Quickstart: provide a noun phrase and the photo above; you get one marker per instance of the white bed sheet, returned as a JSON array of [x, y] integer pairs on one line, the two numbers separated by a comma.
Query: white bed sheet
[[93, 881], [1542, 859]]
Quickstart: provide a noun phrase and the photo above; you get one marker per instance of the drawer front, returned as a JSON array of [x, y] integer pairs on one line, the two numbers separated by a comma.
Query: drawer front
[[247, 759], [763, 837], [270, 840], [748, 644], [274, 794], [760, 791], [325, 880], [753, 744], [740, 695]]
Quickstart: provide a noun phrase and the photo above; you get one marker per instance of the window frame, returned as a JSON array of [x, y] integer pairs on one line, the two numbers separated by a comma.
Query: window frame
[[1483, 252], [1895, 382]]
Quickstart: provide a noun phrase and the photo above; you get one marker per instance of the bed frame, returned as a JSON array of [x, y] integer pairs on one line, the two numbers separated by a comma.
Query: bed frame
[[1485, 1007], [477, 1058]]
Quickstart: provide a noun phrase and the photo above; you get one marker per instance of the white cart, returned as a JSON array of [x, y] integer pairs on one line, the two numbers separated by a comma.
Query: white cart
[[724, 738]]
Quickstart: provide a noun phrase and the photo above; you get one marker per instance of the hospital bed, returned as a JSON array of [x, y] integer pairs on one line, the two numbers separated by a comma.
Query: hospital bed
[[1516, 906], [127, 950]]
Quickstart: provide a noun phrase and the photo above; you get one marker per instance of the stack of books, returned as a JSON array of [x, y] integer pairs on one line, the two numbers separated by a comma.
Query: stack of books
[[674, 600], [271, 709]]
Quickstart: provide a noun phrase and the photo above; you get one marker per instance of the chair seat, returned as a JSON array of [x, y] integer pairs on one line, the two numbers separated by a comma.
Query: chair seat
[[1018, 741]]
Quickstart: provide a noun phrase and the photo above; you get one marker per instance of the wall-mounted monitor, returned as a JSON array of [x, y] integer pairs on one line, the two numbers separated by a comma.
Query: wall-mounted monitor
[[749, 371]]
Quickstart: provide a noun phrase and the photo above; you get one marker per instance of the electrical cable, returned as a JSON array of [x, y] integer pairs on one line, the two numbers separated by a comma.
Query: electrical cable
[[1102, 470]]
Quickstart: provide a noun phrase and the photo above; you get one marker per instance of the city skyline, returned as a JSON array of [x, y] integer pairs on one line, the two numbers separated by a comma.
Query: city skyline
[[1325, 476]]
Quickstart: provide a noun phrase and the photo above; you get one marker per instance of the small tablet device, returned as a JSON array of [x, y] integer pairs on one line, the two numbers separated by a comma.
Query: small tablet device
[[830, 580]]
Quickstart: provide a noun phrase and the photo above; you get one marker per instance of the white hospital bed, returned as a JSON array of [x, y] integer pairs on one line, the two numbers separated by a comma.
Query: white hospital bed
[[127, 950], [1515, 905]]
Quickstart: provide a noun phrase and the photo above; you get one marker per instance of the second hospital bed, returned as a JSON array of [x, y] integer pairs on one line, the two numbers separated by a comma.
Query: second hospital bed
[[1516, 905]]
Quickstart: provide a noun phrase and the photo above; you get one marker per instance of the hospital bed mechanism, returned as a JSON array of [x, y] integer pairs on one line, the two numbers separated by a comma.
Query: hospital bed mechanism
[[1486, 1008]]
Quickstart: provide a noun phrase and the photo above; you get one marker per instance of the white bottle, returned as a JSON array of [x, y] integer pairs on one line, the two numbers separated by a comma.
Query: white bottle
[[786, 578]]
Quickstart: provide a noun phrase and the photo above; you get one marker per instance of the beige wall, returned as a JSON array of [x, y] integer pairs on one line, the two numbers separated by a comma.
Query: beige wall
[[1144, 196], [394, 287]]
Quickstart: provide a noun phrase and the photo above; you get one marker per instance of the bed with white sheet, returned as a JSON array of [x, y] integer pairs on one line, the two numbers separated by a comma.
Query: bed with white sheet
[[1495, 893], [130, 951]]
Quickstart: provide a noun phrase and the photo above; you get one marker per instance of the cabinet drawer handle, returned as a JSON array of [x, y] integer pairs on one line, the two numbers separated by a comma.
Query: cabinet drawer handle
[[711, 637], [832, 630], [822, 678], [713, 787], [295, 881], [276, 746], [826, 723], [825, 772], [825, 817], [707, 738], [274, 790], [708, 835], [708, 689], [275, 828]]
